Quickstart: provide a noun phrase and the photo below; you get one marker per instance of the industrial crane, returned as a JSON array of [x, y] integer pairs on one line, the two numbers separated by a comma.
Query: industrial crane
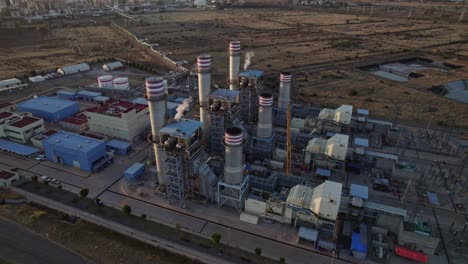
[[287, 167]]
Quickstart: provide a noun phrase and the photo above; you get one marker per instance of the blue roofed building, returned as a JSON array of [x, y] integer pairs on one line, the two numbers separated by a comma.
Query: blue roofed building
[[50, 109], [81, 152]]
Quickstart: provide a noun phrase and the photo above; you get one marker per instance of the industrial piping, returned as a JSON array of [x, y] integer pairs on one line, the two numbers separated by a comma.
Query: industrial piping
[[284, 90], [156, 97], [234, 64], [204, 90], [233, 168], [265, 115]]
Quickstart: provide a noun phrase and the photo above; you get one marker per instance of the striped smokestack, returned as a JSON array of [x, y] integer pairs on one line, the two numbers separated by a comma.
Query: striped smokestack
[[265, 115], [204, 90], [234, 64], [233, 168], [284, 98], [157, 108]]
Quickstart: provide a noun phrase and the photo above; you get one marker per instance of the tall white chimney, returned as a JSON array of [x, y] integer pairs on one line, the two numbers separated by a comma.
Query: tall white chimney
[[204, 90], [234, 64], [157, 109], [233, 167], [265, 115], [284, 98]]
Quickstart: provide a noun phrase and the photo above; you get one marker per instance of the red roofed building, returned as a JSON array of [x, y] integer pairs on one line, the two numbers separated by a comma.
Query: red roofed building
[[20, 128], [8, 178], [118, 119]]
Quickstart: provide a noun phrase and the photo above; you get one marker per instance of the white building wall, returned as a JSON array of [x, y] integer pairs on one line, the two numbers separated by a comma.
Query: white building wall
[[127, 127]]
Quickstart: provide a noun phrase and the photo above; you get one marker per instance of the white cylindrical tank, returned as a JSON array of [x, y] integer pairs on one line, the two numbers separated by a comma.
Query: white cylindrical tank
[[204, 90], [105, 82], [121, 83], [233, 168], [234, 63]]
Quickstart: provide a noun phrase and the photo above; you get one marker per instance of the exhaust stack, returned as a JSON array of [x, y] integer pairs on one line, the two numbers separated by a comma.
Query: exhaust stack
[[285, 90], [156, 97], [233, 168], [234, 64], [204, 90], [265, 115]]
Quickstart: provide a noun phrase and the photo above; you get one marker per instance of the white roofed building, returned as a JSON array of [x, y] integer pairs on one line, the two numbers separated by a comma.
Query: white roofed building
[[327, 153], [72, 69]]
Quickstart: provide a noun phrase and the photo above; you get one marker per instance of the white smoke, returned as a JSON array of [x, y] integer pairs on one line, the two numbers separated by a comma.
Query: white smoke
[[182, 108], [248, 59]]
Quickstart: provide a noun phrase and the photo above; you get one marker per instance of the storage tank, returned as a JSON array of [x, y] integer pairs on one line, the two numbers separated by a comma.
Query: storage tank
[[105, 82], [121, 83]]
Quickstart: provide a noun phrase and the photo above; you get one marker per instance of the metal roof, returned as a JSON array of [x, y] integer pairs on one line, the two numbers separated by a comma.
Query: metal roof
[[25, 121], [101, 98], [225, 95], [75, 68], [119, 144], [308, 234], [16, 148], [46, 104], [73, 142], [363, 112], [134, 168], [183, 128], [359, 191], [323, 172], [361, 142], [140, 100], [251, 73], [9, 82], [88, 93], [66, 92]]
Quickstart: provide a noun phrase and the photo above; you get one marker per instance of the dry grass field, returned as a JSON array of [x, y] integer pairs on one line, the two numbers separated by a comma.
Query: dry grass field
[[313, 43]]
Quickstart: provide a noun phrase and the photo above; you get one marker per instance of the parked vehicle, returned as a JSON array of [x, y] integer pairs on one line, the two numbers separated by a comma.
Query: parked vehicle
[[45, 178]]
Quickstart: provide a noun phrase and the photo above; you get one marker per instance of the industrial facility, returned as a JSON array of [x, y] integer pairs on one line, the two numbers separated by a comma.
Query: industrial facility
[[246, 149]]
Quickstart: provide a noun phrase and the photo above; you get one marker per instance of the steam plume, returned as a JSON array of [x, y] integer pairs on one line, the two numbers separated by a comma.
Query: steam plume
[[248, 59], [182, 107]]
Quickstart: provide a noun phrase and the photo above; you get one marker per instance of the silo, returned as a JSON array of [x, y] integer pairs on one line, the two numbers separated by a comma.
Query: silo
[[105, 82], [121, 83]]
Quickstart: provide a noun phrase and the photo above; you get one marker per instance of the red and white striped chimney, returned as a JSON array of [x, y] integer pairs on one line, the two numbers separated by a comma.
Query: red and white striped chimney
[[284, 98], [204, 90], [265, 115], [234, 64], [156, 97]]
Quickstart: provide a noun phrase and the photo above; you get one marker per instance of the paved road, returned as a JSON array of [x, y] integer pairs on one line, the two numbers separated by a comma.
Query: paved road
[[19, 245]]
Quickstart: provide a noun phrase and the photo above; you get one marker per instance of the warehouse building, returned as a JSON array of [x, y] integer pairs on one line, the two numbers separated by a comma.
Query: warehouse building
[[72, 69], [81, 152], [113, 66], [20, 128], [49, 108], [10, 84], [119, 119]]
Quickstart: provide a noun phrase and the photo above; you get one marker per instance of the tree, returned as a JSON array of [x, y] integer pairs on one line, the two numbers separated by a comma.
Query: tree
[[216, 237], [34, 178], [127, 209], [282, 260], [258, 251], [143, 216], [84, 193], [46, 183], [59, 187]]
